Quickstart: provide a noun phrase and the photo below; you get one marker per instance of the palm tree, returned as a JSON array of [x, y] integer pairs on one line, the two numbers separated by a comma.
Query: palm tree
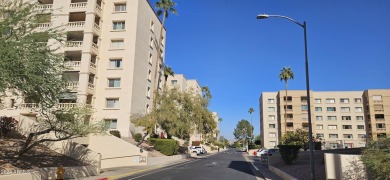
[[250, 111], [219, 120], [206, 92], [164, 8], [286, 74], [168, 72]]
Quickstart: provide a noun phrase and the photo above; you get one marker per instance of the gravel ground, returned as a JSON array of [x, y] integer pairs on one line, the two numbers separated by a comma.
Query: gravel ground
[[38, 157]]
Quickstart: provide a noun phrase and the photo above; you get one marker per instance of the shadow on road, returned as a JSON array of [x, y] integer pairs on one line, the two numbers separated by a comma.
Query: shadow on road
[[242, 166]]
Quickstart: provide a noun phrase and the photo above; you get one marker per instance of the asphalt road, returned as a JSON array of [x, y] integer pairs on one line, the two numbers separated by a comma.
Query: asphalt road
[[226, 165]]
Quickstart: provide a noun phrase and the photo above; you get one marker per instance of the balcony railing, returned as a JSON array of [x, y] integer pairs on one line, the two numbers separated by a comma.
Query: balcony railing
[[95, 46], [381, 129], [72, 64], [28, 106], [44, 7], [97, 27], [43, 26], [72, 85], [98, 8], [379, 119], [74, 44], [91, 86], [82, 5], [76, 24], [92, 65], [66, 105]]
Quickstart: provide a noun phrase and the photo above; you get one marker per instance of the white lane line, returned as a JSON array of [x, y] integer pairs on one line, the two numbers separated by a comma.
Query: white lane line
[[254, 166], [162, 169]]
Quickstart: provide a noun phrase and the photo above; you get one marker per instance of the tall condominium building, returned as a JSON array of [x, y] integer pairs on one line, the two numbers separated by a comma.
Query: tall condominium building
[[111, 52], [339, 118]]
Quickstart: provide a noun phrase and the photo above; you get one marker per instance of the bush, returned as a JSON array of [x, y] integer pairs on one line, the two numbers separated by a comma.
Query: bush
[[289, 152], [116, 133], [137, 137], [317, 145], [7, 124], [376, 158], [167, 147]]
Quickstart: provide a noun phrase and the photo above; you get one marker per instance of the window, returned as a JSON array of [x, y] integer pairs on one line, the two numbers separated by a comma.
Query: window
[[147, 108], [119, 25], [378, 107], [317, 101], [347, 118], [304, 107], [117, 44], [333, 136], [303, 98], [115, 63], [380, 125], [344, 100], [320, 135], [150, 58], [112, 103], [332, 126], [345, 109], [330, 100], [331, 109], [174, 82], [272, 135], [149, 75], [359, 118], [319, 118], [289, 107], [289, 98], [289, 116], [319, 126], [151, 42], [332, 118], [272, 126], [377, 97], [271, 117], [272, 143], [347, 136], [119, 7], [271, 109], [148, 92], [358, 109], [360, 126], [361, 136], [115, 82], [347, 126], [152, 26], [271, 101], [358, 100], [318, 109], [305, 117], [111, 123], [290, 124]]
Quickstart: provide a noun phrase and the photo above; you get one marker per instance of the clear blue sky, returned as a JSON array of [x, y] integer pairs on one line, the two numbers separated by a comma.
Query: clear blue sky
[[222, 45]]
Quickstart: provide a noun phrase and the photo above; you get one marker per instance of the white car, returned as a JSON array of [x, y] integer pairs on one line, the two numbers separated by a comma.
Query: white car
[[261, 152], [197, 149]]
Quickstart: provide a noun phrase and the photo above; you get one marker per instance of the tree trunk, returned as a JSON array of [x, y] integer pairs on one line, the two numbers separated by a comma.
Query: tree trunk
[[26, 147], [142, 139], [285, 111]]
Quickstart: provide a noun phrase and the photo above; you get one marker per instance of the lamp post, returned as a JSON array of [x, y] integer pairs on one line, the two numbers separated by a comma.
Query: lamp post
[[265, 16]]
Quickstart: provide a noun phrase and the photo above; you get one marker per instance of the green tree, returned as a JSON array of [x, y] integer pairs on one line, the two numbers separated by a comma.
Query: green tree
[[376, 158], [243, 130], [285, 75], [30, 64], [297, 137], [257, 140], [168, 72]]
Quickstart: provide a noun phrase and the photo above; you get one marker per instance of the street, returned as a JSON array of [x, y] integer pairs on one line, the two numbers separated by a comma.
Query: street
[[229, 164]]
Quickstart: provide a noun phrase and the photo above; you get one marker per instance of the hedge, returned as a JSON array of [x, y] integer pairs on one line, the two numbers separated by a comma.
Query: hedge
[[116, 133], [138, 137], [289, 152], [167, 147]]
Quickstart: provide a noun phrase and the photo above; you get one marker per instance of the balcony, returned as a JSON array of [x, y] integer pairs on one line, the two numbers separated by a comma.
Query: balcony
[[82, 6], [91, 88], [74, 45], [28, 106], [66, 105], [379, 119], [43, 26], [95, 48], [72, 86], [381, 129], [96, 27], [92, 66], [76, 26], [73, 65], [44, 7], [98, 10]]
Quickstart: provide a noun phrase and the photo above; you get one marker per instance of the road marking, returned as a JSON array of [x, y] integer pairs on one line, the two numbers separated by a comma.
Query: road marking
[[254, 166], [163, 169]]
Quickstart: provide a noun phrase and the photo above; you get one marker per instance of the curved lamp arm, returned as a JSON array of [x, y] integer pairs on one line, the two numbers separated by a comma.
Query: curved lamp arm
[[265, 16]]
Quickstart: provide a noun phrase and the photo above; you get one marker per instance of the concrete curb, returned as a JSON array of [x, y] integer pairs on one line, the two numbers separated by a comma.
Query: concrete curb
[[281, 174]]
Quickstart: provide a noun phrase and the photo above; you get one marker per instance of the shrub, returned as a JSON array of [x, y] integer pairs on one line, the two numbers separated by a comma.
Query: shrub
[[153, 136], [116, 133], [376, 158], [289, 152], [167, 147], [137, 137], [317, 145], [7, 124]]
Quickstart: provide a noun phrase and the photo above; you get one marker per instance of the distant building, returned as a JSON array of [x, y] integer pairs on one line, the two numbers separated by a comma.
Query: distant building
[[339, 118]]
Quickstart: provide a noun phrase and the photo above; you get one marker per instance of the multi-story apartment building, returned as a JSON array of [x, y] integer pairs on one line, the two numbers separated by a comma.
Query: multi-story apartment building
[[339, 118], [111, 52]]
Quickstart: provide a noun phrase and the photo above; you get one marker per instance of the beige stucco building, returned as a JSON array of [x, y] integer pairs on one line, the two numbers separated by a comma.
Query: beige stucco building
[[339, 118], [111, 53]]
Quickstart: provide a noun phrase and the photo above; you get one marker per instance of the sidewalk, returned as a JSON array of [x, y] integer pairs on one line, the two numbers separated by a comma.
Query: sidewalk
[[115, 173], [262, 167]]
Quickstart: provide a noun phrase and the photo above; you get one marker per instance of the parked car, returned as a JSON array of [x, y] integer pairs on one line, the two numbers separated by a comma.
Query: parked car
[[261, 152], [270, 152], [198, 150]]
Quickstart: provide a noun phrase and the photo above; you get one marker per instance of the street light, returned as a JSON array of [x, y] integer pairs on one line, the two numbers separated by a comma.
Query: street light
[[265, 16]]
